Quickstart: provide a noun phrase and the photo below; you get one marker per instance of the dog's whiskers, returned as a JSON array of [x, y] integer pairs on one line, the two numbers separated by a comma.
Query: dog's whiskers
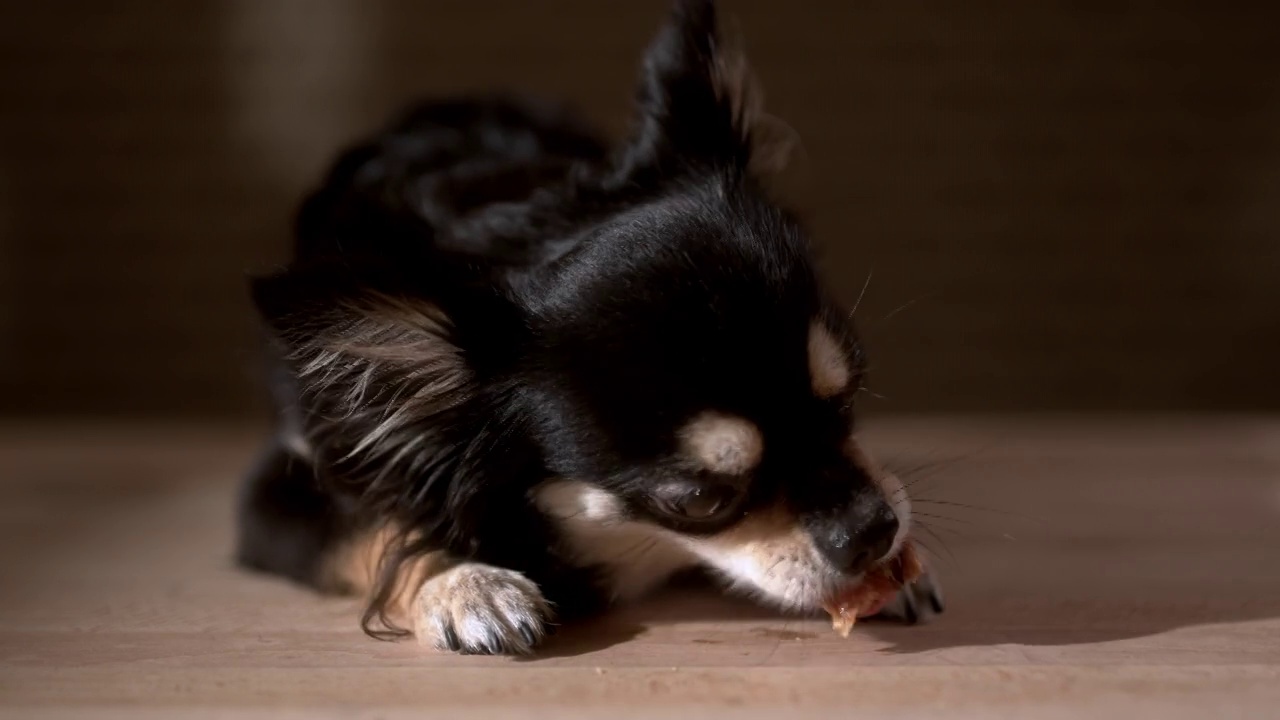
[[906, 305], [862, 293]]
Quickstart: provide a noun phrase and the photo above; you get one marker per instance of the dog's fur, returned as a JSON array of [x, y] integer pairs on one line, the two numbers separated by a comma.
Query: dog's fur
[[522, 374]]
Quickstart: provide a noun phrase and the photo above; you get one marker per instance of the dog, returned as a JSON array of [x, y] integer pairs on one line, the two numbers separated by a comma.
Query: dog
[[523, 374]]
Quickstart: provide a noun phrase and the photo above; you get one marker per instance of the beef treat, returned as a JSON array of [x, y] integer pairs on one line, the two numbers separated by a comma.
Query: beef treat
[[877, 589]]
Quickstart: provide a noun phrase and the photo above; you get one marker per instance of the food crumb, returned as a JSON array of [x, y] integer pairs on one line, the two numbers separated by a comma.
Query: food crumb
[[599, 671]]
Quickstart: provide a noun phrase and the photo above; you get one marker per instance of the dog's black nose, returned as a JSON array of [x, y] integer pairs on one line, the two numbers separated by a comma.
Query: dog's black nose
[[859, 537]]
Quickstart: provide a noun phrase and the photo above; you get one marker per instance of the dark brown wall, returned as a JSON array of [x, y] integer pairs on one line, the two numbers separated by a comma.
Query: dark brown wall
[[1078, 201]]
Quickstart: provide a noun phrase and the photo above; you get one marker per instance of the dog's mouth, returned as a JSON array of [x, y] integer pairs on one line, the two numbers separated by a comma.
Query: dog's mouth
[[876, 589]]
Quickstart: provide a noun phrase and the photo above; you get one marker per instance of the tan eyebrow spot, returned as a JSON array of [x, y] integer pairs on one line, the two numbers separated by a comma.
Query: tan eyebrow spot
[[828, 365], [723, 443]]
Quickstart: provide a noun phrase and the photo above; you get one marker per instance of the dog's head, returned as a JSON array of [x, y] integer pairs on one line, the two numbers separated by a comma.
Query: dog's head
[[690, 376], [656, 344]]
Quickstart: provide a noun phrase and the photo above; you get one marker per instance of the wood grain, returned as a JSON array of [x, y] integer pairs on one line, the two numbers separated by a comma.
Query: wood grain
[[1116, 568]]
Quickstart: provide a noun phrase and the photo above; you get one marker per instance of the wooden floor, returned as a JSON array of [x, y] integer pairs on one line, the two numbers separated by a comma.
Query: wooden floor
[[1116, 569]]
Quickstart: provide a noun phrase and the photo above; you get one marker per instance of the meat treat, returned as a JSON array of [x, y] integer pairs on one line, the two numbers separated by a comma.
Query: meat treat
[[877, 588]]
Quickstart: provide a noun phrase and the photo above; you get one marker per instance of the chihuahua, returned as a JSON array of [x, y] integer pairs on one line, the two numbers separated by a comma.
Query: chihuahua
[[522, 374]]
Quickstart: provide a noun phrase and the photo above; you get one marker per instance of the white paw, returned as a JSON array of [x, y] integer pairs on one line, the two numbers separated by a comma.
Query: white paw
[[475, 608]]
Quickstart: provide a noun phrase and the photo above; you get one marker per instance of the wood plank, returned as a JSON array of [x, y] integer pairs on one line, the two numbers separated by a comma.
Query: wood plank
[[1116, 567]]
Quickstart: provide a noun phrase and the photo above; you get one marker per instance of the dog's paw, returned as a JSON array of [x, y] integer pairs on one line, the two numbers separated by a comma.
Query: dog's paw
[[915, 602], [481, 609]]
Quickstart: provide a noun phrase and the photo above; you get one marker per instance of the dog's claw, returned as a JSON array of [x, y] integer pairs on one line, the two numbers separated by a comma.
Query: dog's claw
[[451, 640], [907, 606], [910, 610], [935, 599], [530, 638]]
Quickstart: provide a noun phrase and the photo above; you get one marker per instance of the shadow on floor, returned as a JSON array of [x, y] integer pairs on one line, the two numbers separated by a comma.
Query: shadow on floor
[[971, 620]]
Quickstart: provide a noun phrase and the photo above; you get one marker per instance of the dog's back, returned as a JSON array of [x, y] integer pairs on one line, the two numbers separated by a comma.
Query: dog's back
[[438, 163]]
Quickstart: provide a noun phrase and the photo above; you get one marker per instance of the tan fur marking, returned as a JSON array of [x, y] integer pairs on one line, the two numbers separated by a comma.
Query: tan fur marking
[[355, 568], [765, 530], [770, 554], [828, 365], [723, 443], [481, 607]]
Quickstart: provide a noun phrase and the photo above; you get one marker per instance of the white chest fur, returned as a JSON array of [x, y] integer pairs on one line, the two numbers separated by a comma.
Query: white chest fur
[[635, 556]]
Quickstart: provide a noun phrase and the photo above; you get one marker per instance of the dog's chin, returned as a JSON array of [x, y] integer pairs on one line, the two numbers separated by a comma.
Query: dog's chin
[[770, 560], [801, 591]]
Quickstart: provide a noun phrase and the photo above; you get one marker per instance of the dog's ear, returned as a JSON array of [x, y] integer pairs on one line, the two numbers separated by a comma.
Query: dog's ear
[[348, 342], [334, 331], [374, 369], [699, 106]]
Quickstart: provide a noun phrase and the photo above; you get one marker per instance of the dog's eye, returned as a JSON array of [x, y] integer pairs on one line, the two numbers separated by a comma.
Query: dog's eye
[[698, 503]]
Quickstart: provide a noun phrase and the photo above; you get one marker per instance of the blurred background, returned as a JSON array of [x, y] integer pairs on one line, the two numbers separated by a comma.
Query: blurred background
[[1068, 206]]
